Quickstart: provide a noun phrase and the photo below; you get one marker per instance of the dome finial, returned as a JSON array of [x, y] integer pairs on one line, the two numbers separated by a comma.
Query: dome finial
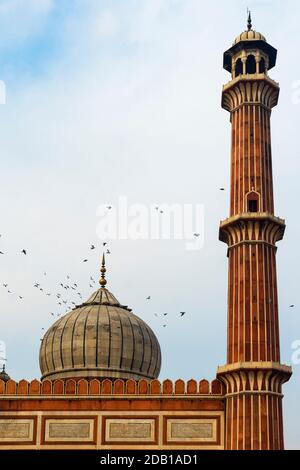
[[249, 20], [103, 281]]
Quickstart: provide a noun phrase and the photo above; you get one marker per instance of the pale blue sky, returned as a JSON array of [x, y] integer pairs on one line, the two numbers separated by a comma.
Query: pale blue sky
[[122, 97]]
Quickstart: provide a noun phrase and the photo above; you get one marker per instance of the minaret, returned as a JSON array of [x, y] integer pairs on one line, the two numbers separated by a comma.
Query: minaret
[[253, 375]]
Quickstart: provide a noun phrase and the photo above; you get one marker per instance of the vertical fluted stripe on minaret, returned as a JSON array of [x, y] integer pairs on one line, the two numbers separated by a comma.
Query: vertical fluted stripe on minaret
[[250, 303], [258, 357]]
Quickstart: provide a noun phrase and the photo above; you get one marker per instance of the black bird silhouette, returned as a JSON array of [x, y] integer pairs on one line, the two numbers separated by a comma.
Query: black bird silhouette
[[51, 313], [182, 313], [5, 285], [109, 207], [20, 297], [36, 285], [222, 189], [104, 243], [85, 260], [149, 297], [24, 252], [1, 253], [92, 247], [164, 326], [197, 235], [165, 314], [291, 306], [107, 252]]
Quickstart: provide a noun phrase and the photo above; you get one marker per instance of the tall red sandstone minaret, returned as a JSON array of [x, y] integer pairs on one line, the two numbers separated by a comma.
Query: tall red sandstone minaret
[[253, 374]]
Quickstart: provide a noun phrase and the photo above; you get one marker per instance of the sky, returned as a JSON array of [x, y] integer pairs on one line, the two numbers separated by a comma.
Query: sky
[[113, 101]]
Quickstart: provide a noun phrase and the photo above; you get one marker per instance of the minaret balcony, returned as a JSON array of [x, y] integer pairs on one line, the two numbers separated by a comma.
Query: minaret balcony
[[252, 228], [250, 89]]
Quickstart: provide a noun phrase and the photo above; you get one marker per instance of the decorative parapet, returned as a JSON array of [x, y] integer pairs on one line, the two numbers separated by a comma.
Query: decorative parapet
[[107, 387]]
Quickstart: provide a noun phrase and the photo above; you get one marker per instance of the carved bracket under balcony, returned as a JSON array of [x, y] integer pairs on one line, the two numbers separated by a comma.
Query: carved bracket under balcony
[[249, 227], [254, 89]]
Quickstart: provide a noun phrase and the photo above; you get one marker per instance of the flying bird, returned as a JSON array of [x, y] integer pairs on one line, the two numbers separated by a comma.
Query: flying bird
[[85, 260], [107, 252], [104, 243], [182, 313], [109, 207], [196, 235], [148, 298], [1, 253], [165, 314], [92, 247], [222, 189], [24, 252], [5, 285], [291, 306]]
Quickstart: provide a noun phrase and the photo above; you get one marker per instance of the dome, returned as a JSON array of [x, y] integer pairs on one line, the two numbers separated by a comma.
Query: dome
[[3, 375], [100, 338], [249, 35]]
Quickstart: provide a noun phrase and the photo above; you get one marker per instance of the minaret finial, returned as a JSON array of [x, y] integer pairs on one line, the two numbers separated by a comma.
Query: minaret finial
[[249, 20], [3, 368], [103, 281]]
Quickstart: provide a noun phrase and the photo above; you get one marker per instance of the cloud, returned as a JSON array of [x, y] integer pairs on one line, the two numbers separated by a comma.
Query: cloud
[[21, 20]]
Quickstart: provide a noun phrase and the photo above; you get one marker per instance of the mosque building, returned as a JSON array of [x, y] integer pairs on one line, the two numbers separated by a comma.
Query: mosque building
[[100, 363]]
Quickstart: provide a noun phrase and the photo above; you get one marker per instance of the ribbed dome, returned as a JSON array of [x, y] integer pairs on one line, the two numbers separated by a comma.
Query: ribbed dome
[[249, 35], [100, 338]]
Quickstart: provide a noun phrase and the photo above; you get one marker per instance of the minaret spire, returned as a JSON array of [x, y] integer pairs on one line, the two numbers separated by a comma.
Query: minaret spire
[[249, 26], [102, 280]]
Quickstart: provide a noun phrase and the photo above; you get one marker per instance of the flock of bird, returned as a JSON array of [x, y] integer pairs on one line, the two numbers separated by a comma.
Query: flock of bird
[[69, 286]]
